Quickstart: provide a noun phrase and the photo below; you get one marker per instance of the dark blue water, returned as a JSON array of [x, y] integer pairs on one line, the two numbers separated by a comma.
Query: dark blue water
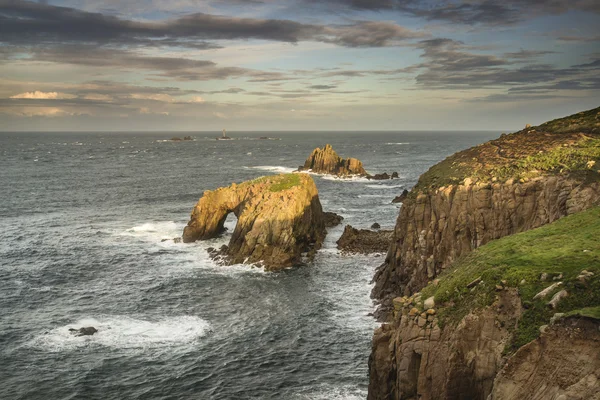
[[82, 216]]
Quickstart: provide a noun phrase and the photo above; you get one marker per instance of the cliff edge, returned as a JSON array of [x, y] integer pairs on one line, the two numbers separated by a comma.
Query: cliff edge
[[517, 318], [505, 186], [279, 218]]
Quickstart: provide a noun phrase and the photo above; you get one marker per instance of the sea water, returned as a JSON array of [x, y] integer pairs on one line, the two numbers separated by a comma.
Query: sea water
[[82, 219]]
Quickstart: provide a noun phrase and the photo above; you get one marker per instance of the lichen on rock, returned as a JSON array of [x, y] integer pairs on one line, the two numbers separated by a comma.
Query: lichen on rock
[[279, 218]]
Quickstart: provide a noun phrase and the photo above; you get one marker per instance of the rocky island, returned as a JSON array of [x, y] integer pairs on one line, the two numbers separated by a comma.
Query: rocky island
[[476, 301], [278, 218], [327, 161]]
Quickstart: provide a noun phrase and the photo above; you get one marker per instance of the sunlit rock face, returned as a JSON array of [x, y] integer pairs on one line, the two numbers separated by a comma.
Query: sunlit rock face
[[327, 161], [279, 218]]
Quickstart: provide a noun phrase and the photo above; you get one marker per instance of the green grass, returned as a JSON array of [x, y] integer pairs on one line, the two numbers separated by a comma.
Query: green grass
[[565, 247], [285, 182], [585, 155], [588, 312], [585, 121], [569, 145]]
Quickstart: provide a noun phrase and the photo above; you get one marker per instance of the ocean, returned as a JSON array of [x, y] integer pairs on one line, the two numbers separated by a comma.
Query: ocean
[[82, 216]]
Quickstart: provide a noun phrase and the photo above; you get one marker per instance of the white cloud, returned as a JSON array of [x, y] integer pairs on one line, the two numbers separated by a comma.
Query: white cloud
[[97, 97], [197, 99], [37, 95], [165, 98]]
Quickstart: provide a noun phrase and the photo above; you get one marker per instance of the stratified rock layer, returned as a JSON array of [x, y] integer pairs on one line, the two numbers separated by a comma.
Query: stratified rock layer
[[279, 217], [327, 161]]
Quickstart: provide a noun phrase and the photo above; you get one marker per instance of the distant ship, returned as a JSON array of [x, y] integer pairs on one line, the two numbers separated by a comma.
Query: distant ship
[[224, 137]]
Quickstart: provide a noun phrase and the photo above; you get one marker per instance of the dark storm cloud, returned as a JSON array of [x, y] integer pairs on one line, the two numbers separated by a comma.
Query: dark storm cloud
[[451, 64], [470, 12], [24, 22]]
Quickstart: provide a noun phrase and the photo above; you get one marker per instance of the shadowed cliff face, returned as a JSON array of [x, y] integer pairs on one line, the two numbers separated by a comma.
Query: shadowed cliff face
[[326, 161], [512, 184], [279, 217], [509, 185]]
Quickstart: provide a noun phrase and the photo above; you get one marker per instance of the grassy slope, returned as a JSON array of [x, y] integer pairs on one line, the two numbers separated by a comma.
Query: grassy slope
[[565, 247], [277, 183], [569, 145]]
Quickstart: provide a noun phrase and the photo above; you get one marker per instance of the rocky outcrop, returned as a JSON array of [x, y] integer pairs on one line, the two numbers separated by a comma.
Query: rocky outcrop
[[414, 358], [513, 184], [332, 219], [437, 226], [85, 331], [401, 197], [563, 363], [364, 241], [327, 161], [278, 218], [509, 185]]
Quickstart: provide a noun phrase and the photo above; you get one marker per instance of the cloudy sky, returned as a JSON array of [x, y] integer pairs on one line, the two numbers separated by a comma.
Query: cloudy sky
[[296, 65]]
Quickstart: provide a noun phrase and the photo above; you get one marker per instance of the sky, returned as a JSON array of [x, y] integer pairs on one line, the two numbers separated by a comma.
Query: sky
[[257, 65]]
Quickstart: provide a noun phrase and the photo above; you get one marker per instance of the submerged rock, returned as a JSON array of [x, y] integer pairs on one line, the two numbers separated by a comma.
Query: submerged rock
[[85, 331], [279, 218], [364, 241]]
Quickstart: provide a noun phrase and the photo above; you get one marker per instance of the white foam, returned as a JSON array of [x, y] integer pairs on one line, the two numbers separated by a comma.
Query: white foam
[[155, 230], [400, 143], [383, 186], [351, 179], [274, 168], [327, 392], [124, 333]]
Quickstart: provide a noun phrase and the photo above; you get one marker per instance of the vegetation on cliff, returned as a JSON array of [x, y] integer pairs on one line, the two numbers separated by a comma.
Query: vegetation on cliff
[[563, 146], [530, 261]]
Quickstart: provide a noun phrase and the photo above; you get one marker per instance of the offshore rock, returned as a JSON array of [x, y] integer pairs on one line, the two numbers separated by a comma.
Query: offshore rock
[[85, 331], [332, 219], [364, 241], [327, 161], [401, 198], [279, 218]]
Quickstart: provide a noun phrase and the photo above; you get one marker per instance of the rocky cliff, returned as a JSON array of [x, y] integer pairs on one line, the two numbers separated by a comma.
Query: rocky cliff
[[278, 218], [455, 313], [518, 318], [327, 161], [509, 185]]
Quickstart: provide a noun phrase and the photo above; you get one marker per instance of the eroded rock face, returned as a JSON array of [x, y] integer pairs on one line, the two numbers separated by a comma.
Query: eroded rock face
[[327, 161], [332, 219], [364, 241], [563, 363], [279, 217], [436, 227], [412, 357]]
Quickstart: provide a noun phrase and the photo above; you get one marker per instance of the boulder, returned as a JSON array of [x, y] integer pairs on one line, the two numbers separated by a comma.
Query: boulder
[[332, 219], [85, 331], [364, 241], [375, 226], [279, 218]]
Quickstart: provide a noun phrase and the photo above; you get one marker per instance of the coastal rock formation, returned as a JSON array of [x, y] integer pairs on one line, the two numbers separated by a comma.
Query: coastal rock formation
[[85, 331], [401, 198], [509, 185], [327, 161], [364, 241], [279, 217], [332, 219], [563, 363], [416, 358], [484, 294]]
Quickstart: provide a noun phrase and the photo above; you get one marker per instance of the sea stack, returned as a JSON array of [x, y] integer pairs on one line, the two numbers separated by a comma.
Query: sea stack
[[327, 161], [279, 218]]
